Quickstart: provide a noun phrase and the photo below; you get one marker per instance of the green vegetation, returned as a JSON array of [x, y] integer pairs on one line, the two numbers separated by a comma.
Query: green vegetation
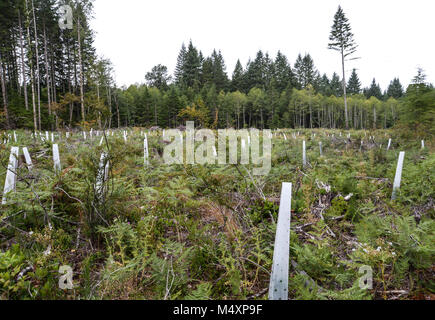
[[205, 232]]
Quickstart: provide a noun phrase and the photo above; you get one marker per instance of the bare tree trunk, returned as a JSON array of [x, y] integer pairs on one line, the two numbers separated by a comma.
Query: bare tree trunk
[[53, 75], [344, 91], [117, 111], [98, 99], [82, 101], [385, 120], [32, 78], [23, 66], [71, 105], [38, 88], [244, 117], [238, 118], [4, 93], [374, 117], [109, 99], [47, 72], [311, 117], [53, 88], [76, 81]]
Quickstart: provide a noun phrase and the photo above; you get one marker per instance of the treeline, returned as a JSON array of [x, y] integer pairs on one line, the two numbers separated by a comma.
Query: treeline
[[267, 93], [52, 78]]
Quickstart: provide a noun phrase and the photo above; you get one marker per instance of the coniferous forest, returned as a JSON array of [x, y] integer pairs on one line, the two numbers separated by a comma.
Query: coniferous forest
[[86, 193], [53, 79]]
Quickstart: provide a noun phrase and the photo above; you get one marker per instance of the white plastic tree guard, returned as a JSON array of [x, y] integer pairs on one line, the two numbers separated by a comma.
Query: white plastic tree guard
[[398, 177], [145, 150], [56, 159], [422, 144], [84, 135], [28, 159], [304, 153], [278, 286], [389, 144], [11, 177], [102, 175], [320, 149]]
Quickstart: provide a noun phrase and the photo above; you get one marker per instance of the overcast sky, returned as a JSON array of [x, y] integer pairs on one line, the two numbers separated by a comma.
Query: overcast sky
[[394, 36]]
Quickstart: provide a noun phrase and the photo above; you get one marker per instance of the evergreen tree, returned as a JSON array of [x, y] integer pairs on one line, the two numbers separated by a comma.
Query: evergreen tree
[[269, 70], [310, 72], [237, 78], [324, 86], [256, 72], [342, 40], [373, 91], [220, 78], [158, 77], [336, 85], [283, 73], [395, 89], [305, 70], [419, 105], [192, 67], [354, 85], [207, 72], [179, 68]]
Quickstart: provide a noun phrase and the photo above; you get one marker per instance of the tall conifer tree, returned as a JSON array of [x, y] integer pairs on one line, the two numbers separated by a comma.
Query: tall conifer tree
[[341, 38]]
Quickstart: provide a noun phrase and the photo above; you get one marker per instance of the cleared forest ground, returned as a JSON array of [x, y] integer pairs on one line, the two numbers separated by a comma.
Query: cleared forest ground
[[207, 232]]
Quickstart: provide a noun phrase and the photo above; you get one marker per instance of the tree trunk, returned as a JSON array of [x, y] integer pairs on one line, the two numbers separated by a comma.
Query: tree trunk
[[32, 78], [38, 88], [82, 101], [71, 105], [23, 66], [344, 91], [47, 72], [374, 117], [99, 112], [4, 94], [244, 117], [117, 111]]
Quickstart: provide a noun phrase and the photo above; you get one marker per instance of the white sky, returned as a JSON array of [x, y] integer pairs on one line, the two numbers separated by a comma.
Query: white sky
[[394, 36]]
